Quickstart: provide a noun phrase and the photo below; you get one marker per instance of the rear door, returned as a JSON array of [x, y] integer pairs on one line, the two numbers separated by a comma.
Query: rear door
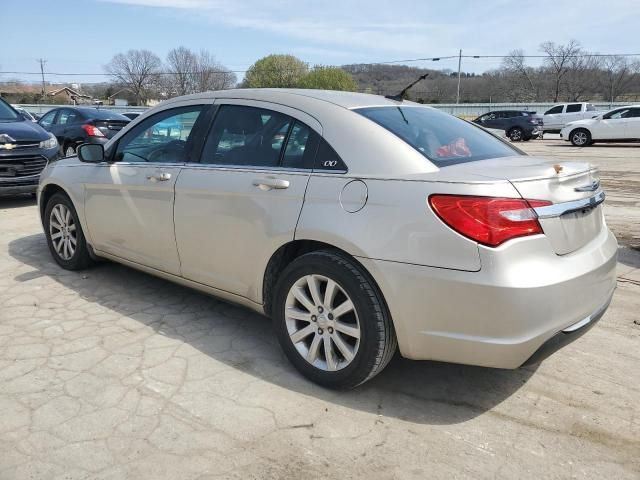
[[573, 112], [633, 124], [242, 201], [129, 202]]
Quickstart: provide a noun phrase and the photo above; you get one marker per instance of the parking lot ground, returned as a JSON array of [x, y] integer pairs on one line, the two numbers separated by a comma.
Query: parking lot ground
[[111, 374]]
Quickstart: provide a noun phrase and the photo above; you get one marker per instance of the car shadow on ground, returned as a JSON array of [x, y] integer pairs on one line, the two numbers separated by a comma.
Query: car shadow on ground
[[629, 256], [16, 201], [416, 391], [596, 145]]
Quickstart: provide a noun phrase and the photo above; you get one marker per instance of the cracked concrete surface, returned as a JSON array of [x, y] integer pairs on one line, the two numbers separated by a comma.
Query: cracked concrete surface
[[111, 374]]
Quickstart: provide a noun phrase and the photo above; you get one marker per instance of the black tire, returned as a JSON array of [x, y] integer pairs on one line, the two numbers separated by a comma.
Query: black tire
[[68, 150], [580, 137], [516, 134], [377, 343], [81, 258]]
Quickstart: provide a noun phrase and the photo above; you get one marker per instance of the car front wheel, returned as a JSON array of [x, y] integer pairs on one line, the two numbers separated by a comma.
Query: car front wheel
[[331, 320], [65, 237], [580, 137]]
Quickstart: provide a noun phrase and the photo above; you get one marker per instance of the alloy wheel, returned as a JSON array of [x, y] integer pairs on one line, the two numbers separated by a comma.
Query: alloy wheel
[[322, 322], [63, 232], [580, 138], [69, 151]]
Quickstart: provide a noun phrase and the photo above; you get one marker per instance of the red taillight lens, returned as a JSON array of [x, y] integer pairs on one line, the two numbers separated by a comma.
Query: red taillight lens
[[488, 220], [92, 131]]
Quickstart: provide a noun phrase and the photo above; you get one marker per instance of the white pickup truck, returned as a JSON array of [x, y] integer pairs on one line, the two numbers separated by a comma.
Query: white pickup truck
[[559, 115]]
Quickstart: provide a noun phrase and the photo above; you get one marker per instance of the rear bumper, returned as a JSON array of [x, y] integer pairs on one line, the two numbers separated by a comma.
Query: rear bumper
[[498, 317]]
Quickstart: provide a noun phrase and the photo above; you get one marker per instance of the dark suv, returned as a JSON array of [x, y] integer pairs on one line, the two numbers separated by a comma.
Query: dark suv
[[75, 125], [518, 124], [25, 149]]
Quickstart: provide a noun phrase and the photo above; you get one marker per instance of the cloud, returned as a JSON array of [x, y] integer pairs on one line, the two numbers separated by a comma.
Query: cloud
[[387, 30]]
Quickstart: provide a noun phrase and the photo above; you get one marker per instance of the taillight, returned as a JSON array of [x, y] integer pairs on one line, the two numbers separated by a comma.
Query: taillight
[[92, 131], [490, 221]]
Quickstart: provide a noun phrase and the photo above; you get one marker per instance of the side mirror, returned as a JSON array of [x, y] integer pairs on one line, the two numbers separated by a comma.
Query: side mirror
[[91, 153]]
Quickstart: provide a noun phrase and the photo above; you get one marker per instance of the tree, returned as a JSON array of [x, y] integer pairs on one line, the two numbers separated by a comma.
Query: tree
[[211, 75], [618, 73], [581, 77], [557, 61], [520, 76], [181, 63], [275, 71], [193, 73], [328, 78], [137, 70]]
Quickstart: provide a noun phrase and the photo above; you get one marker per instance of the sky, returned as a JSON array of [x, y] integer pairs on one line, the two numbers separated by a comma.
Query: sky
[[81, 36]]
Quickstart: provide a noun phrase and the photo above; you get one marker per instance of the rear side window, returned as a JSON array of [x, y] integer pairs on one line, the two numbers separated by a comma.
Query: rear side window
[[440, 137], [556, 109], [591, 107], [574, 107], [68, 117]]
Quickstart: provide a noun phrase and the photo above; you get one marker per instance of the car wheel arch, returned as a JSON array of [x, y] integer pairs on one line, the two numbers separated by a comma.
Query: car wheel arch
[[287, 253]]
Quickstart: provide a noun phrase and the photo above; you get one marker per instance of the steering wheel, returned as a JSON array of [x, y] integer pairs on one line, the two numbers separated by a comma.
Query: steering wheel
[[167, 150]]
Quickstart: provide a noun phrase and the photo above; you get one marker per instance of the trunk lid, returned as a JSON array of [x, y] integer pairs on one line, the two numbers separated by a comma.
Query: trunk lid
[[576, 216], [110, 127]]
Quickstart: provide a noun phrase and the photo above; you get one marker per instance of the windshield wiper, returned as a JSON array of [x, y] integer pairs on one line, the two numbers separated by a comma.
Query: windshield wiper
[[400, 96]]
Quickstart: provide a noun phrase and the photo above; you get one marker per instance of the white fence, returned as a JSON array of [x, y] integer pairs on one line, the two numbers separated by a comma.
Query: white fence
[[461, 110]]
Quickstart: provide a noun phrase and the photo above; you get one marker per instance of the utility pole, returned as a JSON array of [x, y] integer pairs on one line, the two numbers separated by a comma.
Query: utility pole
[[42, 61], [459, 63]]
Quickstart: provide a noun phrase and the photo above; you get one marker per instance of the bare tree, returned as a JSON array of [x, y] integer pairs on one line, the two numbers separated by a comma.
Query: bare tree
[[137, 70], [521, 76], [618, 73], [181, 66], [212, 75], [557, 61], [581, 78], [189, 72]]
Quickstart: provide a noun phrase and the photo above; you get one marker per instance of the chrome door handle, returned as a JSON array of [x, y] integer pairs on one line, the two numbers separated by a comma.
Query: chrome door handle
[[159, 177], [271, 183]]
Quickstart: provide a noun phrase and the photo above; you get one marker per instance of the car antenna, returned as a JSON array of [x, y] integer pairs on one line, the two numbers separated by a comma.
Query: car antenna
[[400, 96]]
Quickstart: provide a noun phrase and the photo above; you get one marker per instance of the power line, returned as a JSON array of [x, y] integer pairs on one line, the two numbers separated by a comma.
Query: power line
[[388, 62]]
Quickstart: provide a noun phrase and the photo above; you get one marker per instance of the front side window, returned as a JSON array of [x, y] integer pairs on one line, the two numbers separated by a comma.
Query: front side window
[[574, 107], [67, 117], [556, 109], [161, 138], [47, 120], [440, 137], [616, 114]]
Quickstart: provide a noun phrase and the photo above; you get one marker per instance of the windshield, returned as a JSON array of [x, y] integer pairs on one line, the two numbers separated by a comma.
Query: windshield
[[440, 137], [8, 114]]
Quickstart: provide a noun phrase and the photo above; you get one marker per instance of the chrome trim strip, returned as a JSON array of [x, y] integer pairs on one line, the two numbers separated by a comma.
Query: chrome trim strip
[[559, 209], [592, 187]]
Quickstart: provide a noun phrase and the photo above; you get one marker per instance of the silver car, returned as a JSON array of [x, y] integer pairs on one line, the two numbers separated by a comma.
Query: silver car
[[359, 224]]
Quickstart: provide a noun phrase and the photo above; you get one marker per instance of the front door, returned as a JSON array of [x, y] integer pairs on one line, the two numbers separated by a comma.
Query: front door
[[612, 126], [243, 200], [129, 202]]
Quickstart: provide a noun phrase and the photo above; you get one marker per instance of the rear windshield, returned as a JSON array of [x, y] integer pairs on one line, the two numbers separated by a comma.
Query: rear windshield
[[99, 114], [440, 137]]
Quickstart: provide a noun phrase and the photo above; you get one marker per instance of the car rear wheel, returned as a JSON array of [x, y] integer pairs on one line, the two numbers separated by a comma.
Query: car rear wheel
[[516, 134], [580, 137], [65, 237], [331, 320]]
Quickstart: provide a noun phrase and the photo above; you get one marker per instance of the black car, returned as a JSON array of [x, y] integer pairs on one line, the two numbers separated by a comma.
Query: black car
[[25, 149], [518, 124], [75, 125]]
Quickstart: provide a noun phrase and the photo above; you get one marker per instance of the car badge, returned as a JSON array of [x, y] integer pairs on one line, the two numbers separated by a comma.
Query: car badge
[[558, 168], [6, 142], [7, 146]]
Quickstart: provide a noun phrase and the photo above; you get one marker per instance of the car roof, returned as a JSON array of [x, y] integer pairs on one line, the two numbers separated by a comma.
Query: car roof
[[347, 100]]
